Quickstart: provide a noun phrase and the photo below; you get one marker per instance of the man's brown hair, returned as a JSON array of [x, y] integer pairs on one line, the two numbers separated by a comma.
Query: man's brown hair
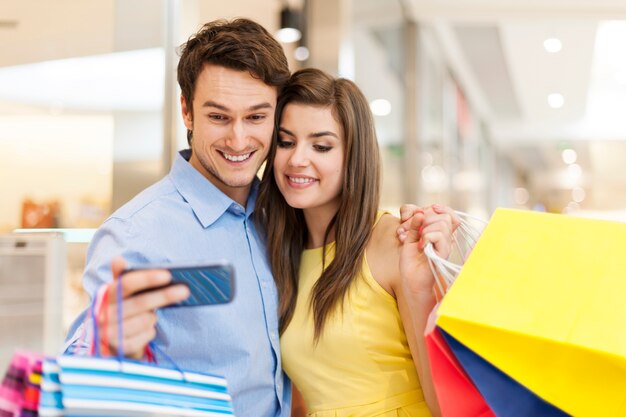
[[240, 44]]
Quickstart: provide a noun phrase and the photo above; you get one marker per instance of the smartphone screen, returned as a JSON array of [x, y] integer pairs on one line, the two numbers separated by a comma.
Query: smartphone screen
[[209, 283]]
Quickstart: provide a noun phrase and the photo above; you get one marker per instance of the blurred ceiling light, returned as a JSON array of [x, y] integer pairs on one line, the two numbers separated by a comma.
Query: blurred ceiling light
[[569, 156], [556, 100], [380, 107], [301, 53], [552, 45], [288, 35], [574, 172], [290, 26], [578, 194], [521, 196]]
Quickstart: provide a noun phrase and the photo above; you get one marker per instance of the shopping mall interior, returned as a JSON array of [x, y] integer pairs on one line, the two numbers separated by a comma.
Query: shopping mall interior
[[478, 104]]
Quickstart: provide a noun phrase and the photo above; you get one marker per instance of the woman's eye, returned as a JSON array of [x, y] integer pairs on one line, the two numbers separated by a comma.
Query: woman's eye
[[284, 143], [322, 148]]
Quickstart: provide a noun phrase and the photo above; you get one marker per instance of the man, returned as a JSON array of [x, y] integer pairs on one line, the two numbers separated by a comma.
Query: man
[[230, 74]]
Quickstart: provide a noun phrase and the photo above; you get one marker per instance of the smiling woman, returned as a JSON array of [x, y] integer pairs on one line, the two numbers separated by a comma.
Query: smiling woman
[[309, 159], [351, 333]]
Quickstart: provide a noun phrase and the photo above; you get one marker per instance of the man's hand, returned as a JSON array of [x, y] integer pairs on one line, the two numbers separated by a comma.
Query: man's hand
[[138, 310]]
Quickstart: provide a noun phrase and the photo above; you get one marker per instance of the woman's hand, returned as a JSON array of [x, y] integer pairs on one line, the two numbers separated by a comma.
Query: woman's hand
[[435, 225]]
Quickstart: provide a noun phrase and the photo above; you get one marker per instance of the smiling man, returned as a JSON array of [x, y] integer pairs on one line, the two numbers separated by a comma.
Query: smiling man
[[230, 74], [232, 129]]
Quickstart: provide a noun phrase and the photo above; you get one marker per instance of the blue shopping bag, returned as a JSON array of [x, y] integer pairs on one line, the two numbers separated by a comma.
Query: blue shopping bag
[[505, 396], [99, 386]]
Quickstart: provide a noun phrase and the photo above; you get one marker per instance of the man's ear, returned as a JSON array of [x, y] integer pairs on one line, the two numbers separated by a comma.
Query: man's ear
[[187, 113]]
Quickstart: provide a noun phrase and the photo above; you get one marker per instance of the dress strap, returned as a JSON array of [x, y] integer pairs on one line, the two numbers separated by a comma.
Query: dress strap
[[379, 215]]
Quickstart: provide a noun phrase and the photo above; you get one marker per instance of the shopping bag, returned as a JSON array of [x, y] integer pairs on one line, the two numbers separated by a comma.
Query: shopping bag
[[19, 392], [50, 397], [456, 394], [32, 388], [110, 386], [465, 237], [505, 396], [105, 386], [541, 297]]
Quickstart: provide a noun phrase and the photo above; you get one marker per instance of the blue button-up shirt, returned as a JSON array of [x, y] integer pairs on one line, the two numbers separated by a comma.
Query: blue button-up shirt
[[185, 218]]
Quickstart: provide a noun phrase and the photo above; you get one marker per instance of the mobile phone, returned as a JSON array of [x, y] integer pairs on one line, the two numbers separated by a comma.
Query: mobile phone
[[209, 283]]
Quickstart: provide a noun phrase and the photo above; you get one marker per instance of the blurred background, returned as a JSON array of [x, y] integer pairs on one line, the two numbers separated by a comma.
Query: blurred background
[[478, 104]]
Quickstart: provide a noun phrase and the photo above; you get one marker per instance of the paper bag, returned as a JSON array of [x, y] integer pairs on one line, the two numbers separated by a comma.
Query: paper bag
[[541, 297]]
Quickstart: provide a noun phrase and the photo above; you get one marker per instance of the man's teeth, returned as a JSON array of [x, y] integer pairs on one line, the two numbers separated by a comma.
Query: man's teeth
[[237, 158], [301, 180]]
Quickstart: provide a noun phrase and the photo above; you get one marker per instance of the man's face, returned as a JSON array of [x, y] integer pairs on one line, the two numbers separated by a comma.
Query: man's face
[[232, 125]]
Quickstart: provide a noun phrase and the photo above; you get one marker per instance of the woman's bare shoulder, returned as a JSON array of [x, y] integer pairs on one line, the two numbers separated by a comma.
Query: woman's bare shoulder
[[384, 236], [383, 252]]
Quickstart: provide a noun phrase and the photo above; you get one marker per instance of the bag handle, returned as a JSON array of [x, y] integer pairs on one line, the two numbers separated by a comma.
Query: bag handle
[[98, 308], [464, 239]]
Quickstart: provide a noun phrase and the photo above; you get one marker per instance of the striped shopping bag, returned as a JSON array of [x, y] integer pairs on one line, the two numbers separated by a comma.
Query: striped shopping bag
[[104, 386]]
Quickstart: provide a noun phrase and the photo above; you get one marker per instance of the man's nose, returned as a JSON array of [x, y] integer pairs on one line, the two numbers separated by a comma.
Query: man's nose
[[237, 140]]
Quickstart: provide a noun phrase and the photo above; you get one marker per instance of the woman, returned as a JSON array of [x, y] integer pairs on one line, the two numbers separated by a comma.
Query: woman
[[353, 300]]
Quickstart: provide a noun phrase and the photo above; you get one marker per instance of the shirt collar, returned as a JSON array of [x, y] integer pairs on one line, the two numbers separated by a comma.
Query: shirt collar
[[206, 200]]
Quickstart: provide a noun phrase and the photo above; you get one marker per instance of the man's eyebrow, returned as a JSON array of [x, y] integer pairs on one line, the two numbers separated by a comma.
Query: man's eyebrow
[[260, 106], [210, 103]]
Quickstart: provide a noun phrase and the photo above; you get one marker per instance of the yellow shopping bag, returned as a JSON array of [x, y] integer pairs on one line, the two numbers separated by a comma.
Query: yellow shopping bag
[[543, 298]]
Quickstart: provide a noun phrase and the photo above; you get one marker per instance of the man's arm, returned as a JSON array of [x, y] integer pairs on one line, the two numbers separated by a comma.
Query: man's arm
[[138, 311]]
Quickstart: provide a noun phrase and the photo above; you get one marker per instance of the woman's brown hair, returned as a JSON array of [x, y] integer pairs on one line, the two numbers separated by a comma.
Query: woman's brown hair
[[285, 228]]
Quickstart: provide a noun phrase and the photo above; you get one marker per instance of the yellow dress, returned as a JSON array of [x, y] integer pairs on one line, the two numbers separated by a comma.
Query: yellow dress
[[362, 365]]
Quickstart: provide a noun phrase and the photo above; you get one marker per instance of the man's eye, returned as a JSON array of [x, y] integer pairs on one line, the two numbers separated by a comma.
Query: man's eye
[[219, 117], [258, 117]]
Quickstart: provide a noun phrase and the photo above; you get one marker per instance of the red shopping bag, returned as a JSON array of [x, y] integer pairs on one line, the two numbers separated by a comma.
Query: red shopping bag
[[457, 395]]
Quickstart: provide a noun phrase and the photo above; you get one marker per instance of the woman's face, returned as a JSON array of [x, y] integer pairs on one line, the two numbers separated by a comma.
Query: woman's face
[[308, 166]]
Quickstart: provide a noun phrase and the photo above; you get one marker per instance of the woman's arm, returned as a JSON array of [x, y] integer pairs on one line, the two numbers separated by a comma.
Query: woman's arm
[[407, 276], [433, 225]]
